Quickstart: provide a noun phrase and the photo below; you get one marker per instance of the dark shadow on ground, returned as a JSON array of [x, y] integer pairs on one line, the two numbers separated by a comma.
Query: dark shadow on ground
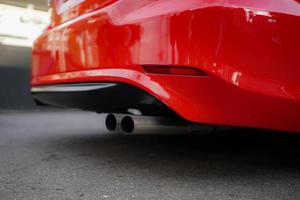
[[225, 151]]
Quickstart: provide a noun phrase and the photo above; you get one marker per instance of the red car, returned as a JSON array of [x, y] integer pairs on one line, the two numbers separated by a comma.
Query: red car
[[216, 62]]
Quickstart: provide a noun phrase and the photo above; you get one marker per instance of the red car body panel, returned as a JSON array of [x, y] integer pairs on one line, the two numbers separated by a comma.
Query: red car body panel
[[249, 50]]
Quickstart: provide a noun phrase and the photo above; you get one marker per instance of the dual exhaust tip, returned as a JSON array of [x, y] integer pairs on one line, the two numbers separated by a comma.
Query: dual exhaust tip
[[126, 125], [151, 125]]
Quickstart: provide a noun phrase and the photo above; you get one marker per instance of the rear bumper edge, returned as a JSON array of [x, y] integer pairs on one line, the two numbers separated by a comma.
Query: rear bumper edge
[[100, 97]]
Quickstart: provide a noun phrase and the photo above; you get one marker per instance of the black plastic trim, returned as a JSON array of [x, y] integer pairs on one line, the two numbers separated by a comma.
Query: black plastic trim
[[100, 97]]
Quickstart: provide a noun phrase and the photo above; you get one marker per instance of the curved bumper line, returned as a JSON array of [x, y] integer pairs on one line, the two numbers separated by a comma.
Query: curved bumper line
[[71, 87], [100, 97]]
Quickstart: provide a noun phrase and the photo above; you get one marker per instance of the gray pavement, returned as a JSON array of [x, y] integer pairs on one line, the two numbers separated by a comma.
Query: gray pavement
[[69, 155]]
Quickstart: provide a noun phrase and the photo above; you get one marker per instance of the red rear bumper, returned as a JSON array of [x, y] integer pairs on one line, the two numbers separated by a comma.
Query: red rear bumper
[[250, 53]]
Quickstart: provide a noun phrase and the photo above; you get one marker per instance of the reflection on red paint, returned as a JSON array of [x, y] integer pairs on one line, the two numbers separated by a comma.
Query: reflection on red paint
[[248, 48]]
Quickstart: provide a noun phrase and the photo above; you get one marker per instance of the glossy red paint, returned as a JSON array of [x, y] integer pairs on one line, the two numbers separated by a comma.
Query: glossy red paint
[[249, 49]]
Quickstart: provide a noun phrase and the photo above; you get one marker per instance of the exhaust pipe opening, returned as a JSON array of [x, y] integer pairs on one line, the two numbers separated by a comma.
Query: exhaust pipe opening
[[111, 122], [127, 124]]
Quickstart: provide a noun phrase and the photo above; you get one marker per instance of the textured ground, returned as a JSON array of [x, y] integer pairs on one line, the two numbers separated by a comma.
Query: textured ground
[[69, 155]]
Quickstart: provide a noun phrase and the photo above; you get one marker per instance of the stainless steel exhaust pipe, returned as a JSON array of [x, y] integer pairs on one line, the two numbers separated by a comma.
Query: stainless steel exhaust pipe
[[111, 122], [159, 125], [127, 124]]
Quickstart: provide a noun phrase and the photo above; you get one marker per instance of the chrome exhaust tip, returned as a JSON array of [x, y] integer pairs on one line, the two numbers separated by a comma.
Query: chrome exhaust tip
[[111, 122], [149, 125], [127, 124]]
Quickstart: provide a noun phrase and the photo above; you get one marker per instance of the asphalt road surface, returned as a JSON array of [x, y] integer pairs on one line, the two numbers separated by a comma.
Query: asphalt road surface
[[69, 155]]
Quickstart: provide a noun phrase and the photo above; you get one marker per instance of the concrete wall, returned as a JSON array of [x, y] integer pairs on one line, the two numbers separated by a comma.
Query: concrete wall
[[15, 65]]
